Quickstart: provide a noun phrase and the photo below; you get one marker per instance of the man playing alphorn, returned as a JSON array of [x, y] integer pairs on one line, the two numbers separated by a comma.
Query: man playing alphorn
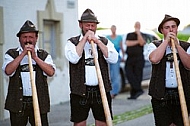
[[19, 98], [163, 84], [85, 93]]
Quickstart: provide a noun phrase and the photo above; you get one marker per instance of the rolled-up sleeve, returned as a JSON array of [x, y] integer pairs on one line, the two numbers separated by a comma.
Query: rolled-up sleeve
[[49, 61], [8, 59], [71, 53], [112, 53], [188, 50], [151, 48]]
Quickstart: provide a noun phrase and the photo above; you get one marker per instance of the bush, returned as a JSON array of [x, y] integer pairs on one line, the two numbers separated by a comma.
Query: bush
[[183, 37]]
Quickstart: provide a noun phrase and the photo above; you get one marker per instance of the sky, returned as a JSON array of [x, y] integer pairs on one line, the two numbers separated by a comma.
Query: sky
[[124, 13]]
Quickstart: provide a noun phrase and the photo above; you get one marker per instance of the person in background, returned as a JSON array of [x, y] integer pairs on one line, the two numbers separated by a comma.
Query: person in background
[[135, 61], [19, 97], [84, 86], [115, 68], [163, 87]]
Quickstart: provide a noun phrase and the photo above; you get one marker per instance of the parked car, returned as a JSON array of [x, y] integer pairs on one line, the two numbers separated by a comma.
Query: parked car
[[149, 36]]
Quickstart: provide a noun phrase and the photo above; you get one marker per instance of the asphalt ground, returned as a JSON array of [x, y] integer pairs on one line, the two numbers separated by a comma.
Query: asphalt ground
[[60, 113]]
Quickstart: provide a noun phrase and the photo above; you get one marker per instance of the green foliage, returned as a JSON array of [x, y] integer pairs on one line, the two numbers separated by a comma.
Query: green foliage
[[130, 115], [160, 35], [126, 116], [183, 37], [100, 28]]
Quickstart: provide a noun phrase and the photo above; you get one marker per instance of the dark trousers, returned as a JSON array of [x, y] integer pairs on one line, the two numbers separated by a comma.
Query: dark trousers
[[27, 114], [134, 73], [168, 111], [81, 105]]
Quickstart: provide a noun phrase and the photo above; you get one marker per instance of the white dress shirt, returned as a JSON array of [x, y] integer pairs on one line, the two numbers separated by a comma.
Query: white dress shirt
[[90, 71], [171, 81], [26, 83]]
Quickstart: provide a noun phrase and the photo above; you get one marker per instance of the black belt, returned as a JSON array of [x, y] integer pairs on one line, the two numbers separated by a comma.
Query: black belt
[[171, 90], [92, 88], [27, 99]]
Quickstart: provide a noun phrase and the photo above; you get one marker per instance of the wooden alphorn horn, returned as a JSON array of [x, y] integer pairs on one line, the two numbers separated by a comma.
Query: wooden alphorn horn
[[180, 87], [34, 93], [101, 87]]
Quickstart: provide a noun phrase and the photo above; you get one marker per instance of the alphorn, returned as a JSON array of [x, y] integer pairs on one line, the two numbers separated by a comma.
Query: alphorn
[[101, 87], [34, 93], [180, 87]]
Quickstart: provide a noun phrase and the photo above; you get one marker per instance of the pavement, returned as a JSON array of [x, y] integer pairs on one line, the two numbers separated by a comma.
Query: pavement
[[60, 113]]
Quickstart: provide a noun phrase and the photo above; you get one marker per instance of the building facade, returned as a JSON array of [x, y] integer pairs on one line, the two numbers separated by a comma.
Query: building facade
[[56, 20]]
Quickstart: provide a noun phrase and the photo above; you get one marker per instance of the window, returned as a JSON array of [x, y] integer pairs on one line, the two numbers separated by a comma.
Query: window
[[50, 25], [49, 37]]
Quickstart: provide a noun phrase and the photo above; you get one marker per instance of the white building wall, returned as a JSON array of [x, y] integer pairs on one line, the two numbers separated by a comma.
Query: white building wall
[[16, 12]]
